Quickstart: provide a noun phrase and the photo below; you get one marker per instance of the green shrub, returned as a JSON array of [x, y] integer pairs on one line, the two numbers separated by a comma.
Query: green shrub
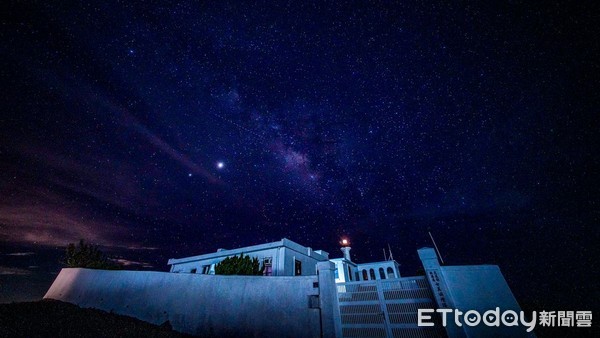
[[87, 256], [242, 265]]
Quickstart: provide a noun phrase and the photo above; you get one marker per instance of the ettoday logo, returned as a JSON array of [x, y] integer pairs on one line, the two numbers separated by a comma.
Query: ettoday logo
[[508, 318], [474, 318]]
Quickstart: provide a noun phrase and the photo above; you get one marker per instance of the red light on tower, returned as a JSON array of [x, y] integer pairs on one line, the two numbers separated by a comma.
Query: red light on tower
[[345, 242]]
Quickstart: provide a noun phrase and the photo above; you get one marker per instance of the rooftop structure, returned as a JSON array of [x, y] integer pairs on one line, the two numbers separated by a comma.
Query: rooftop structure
[[281, 258]]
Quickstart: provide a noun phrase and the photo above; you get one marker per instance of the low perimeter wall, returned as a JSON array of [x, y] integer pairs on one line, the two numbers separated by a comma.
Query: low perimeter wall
[[209, 305]]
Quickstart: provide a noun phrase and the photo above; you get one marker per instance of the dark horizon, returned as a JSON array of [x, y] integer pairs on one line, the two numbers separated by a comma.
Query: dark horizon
[[162, 131]]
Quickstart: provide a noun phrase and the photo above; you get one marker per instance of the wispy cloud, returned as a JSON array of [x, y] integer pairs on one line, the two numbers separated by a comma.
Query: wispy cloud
[[6, 270], [142, 248], [130, 263], [20, 254], [87, 93], [88, 176], [41, 217], [173, 153]]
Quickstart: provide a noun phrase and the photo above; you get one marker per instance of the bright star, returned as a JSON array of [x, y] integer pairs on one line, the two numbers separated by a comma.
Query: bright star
[[220, 165]]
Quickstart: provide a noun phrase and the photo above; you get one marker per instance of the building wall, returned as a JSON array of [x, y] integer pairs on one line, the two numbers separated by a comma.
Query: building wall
[[309, 264], [283, 262], [379, 265], [343, 275], [482, 288], [340, 274], [471, 287], [283, 254], [208, 304], [186, 267]]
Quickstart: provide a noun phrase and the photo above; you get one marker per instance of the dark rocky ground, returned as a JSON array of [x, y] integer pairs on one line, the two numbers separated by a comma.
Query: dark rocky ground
[[51, 318]]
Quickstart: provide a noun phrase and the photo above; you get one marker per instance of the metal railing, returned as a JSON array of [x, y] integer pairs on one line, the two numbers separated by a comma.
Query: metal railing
[[386, 308]]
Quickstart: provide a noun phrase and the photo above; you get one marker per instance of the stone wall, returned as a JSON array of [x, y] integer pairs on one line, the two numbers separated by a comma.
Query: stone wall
[[303, 306]]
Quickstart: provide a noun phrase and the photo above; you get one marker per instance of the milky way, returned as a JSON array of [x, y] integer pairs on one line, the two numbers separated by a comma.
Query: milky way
[[172, 130]]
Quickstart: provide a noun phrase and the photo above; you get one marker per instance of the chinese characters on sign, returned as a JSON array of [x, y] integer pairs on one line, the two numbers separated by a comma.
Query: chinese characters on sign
[[566, 318]]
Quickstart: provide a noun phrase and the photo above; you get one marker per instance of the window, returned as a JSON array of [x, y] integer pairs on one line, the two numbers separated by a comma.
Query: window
[[390, 273], [268, 266], [337, 274], [205, 269], [381, 273], [350, 273], [356, 275], [193, 270], [297, 268], [365, 277], [372, 274]]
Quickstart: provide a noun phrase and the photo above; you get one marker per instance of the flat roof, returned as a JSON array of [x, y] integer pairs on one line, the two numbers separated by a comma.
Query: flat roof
[[284, 242], [380, 262]]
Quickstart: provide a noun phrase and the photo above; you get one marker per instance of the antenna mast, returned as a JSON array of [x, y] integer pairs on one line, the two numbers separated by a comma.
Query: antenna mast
[[390, 249], [384, 256], [436, 248]]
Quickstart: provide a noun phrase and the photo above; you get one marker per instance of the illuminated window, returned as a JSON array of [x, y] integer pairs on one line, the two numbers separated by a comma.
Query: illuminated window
[[364, 273], [297, 268]]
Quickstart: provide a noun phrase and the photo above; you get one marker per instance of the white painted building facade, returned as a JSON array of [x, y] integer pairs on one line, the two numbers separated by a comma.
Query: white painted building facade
[[348, 271], [281, 258], [288, 258], [313, 297]]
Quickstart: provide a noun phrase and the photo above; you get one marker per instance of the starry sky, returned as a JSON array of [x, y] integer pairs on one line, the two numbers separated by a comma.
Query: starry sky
[[164, 130]]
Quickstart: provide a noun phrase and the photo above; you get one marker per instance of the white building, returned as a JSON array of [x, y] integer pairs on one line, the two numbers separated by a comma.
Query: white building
[[314, 297], [281, 258], [348, 271], [288, 258]]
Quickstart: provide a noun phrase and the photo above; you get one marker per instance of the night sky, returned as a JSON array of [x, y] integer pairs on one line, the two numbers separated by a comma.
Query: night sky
[[160, 131]]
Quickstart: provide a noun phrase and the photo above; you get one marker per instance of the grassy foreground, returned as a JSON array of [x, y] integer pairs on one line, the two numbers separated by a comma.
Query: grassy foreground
[[51, 318]]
